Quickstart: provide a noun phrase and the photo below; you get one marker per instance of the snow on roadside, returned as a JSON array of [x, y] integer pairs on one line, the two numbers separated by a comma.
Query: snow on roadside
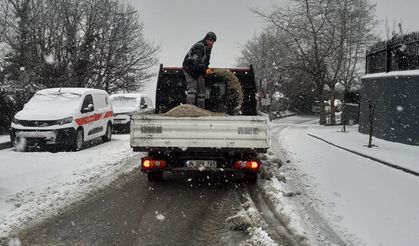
[[248, 219], [4, 138], [402, 155], [284, 209], [258, 237], [35, 185], [363, 202]]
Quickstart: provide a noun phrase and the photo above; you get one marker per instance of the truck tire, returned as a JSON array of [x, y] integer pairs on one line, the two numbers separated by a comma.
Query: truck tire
[[251, 178], [155, 176]]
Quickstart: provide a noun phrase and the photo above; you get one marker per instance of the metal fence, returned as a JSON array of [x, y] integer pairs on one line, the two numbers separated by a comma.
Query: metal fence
[[397, 54]]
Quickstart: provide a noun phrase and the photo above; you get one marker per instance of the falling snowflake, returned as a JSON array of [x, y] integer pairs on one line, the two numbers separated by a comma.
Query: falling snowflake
[[49, 59], [400, 108], [159, 216]]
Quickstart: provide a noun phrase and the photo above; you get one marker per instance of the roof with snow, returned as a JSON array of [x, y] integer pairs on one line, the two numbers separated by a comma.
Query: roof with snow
[[81, 91], [128, 95], [407, 73]]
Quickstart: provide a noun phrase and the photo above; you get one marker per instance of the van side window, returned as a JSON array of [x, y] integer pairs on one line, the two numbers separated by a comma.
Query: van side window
[[87, 100], [100, 101], [149, 102]]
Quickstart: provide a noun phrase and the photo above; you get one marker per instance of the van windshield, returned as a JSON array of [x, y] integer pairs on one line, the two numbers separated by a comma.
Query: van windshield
[[55, 101], [124, 101]]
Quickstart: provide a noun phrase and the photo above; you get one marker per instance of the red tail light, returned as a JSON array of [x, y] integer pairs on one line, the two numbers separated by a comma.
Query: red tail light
[[252, 165], [147, 163]]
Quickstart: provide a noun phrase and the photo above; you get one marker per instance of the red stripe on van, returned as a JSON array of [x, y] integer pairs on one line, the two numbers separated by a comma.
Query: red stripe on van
[[93, 118], [108, 114]]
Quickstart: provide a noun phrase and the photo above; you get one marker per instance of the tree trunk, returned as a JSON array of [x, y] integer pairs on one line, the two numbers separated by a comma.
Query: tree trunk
[[323, 120], [332, 105], [371, 122], [343, 119]]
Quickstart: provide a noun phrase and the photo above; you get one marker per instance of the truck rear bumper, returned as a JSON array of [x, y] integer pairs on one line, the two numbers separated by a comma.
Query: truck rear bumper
[[192, 149], [201, 169]]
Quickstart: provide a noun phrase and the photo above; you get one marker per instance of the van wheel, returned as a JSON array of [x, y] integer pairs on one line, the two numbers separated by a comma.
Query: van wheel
[[251, 178], [78, 140], [155, 176], [108, 135], [19, 144]]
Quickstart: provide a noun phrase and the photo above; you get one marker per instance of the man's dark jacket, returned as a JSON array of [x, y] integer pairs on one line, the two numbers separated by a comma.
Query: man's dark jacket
[[197, 59]]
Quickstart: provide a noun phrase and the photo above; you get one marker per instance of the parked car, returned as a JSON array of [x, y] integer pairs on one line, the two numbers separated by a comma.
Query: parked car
[[126, 104], [65, 117]]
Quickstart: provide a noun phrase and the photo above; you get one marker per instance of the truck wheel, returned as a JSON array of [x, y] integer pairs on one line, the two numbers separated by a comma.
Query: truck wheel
[[251, 178], [155, 176], [108, 135], [78, 140]]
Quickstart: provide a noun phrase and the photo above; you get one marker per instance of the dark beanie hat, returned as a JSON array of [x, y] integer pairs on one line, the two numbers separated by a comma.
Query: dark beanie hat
[[211, 36]]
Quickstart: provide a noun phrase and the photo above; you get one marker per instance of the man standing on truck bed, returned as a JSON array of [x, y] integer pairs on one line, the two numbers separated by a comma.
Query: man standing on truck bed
[[195, 66]]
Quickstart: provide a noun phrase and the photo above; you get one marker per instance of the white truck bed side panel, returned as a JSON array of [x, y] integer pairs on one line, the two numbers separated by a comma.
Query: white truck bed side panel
[[152, 131]]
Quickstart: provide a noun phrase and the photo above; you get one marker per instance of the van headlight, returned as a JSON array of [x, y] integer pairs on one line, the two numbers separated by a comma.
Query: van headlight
[[16, 121], [64, 121]]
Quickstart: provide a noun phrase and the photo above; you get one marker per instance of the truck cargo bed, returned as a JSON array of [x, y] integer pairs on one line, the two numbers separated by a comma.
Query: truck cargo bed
[[223, 133]]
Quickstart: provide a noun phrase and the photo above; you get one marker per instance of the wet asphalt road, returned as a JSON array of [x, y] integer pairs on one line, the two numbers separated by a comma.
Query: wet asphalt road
[[177, 211]]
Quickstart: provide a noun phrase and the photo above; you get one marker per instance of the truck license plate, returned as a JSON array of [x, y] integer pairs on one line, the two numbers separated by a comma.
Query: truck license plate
[[201, 163]]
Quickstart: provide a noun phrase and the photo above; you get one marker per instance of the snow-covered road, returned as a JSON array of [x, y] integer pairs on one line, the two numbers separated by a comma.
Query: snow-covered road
[[324, 194], [34, 185]]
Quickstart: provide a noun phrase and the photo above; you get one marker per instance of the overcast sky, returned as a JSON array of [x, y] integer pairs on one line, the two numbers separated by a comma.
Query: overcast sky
[[177, 24]]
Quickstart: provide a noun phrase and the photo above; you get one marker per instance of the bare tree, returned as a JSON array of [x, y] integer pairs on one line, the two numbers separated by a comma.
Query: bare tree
[[355, 24], [78, 43], [275, 68], [83, 43], [308, 24], [323, 37], [372, 104]]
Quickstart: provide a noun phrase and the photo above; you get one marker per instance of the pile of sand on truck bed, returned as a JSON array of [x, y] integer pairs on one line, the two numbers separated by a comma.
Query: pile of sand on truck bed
[[189, 110]]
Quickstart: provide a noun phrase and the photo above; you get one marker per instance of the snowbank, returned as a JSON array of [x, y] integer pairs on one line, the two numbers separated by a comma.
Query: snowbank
[[4, 139], [35, 185]]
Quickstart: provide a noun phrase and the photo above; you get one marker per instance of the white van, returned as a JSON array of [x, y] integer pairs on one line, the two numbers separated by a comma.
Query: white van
[[126, 104], [66, 117]]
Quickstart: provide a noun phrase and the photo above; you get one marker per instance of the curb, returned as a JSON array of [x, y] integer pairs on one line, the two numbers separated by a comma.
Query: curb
[[369, 157], [288, 115], [284, 116]]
